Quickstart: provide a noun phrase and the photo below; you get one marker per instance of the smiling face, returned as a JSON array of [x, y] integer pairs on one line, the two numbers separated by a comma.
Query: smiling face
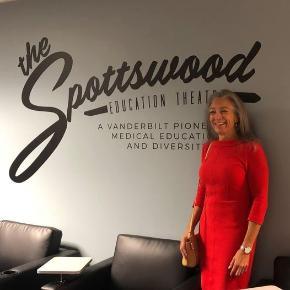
[[222, 118]]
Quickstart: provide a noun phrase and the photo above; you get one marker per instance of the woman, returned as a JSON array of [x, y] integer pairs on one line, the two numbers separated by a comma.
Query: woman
[[231, 198]]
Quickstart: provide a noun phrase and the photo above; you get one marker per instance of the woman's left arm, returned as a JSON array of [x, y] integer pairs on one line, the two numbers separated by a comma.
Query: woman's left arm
[[257, 178], [240, 261]]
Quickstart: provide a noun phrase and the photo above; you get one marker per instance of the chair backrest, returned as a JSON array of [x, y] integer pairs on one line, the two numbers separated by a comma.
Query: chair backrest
[[143, 263], [21, 243], [282, 272]]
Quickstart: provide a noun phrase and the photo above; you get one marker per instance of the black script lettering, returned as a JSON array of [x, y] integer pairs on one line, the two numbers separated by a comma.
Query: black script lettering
[[140, 81], [106, 83], [249, 97], [32, 54], [74, 104], [191, 66], [119, 80], [213, 68], [92, 85], [56, 130], [215, 63], [239, 73], [150, 78]]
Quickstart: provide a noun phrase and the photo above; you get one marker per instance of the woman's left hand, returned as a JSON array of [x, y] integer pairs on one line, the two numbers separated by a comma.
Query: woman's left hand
[[239, 263]]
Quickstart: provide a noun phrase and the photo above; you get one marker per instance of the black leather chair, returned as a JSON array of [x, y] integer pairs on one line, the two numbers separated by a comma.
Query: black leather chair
[[281, 275], [23, 249], [139, 263]]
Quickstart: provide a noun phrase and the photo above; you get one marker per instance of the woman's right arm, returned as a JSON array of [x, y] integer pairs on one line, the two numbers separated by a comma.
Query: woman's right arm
[[196, 209], [189, 230]]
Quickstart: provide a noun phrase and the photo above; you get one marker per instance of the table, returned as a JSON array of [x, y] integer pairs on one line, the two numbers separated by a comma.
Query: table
[[269, 287], [63, 266]]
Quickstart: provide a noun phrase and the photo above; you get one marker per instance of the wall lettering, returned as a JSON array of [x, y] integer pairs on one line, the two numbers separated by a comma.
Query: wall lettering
[[121, 78]]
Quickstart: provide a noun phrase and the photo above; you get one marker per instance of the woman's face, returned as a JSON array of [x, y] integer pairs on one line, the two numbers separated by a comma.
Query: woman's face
[[222, 118]]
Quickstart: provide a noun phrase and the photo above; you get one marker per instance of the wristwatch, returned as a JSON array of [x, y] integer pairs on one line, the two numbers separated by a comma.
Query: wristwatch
[[246, 250]]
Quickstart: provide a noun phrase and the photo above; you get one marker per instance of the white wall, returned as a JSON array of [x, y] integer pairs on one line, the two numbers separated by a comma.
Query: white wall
[[92, 187]]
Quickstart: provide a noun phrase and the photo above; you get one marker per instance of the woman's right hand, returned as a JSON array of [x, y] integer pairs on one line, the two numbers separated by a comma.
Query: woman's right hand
[[182, 246]]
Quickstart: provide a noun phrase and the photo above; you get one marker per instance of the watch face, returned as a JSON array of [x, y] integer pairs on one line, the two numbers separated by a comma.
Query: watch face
[[248, 250]]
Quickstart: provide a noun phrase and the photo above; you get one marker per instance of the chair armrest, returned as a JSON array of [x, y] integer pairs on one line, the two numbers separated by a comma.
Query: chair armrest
[[25, 276], [282, 272], [263, 282], [96, 276], [192, 283]]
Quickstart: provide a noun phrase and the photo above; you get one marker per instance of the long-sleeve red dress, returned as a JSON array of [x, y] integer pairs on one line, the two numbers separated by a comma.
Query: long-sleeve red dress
[[232, 190]]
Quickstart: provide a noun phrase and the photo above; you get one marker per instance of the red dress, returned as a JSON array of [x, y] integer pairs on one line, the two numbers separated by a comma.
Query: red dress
[[232, 190]]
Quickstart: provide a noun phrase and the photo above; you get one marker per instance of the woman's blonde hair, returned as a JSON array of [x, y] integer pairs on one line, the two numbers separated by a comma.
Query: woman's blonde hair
[[243, 127]]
